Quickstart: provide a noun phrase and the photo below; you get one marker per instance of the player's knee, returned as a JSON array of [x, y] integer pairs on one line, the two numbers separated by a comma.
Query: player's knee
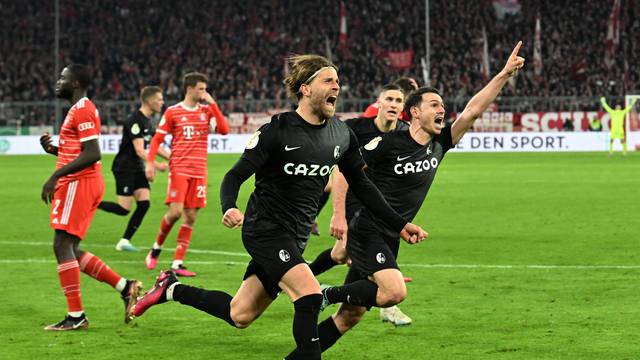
[[242, 319], [142, 205], [63, 249], [393, 297], [339, 255], [173, 215], [308, 303]]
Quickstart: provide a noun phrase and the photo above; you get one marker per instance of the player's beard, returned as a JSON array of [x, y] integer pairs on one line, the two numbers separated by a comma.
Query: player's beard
[[64, 93], [320, 108]]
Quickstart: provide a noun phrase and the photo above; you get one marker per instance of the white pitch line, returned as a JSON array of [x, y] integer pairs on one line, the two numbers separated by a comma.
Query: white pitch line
[[428, 266], [215, 252]]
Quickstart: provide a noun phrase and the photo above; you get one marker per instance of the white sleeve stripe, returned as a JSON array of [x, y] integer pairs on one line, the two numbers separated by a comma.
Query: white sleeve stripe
[[161, 131], [89, 138]]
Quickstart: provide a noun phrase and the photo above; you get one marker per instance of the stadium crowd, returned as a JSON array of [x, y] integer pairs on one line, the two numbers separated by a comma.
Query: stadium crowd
[[242, 45]]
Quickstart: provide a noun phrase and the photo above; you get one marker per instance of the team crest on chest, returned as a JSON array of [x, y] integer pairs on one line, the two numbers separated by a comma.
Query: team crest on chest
[[336, 152], [203, 117]]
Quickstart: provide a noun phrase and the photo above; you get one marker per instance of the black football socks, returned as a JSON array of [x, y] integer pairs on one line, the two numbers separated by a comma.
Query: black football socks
[[213, 302]]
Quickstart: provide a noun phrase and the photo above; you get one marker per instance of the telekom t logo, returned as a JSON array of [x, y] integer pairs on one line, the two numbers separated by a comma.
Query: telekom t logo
[[187, 131]]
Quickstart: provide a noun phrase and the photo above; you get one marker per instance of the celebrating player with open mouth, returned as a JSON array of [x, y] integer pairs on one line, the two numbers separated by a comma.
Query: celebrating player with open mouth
[[292, 158], [403, 165]]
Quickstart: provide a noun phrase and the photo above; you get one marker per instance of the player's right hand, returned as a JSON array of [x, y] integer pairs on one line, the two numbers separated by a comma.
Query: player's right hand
[[514, 62], [161, 166], [338, 227], [48, 189], [150, 171], [206, 97], [232, 218], [45, 142], [413, 234]]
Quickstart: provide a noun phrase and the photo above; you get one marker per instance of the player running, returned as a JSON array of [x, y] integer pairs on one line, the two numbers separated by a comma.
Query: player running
[[189, 123], [128, 165], [291, 157], [403, 165], [74, 191], [390, 104]]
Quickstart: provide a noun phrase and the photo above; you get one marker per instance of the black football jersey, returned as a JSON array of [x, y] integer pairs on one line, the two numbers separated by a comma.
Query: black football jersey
[[403, 170], [293, 161], [137, 126], [365, 130]]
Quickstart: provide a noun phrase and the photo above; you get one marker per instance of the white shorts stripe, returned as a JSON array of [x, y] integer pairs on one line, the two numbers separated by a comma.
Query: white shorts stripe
[[68, 202], [91, 137]]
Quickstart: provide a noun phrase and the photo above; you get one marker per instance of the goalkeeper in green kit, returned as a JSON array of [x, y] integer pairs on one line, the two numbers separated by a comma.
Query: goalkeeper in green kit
[[617, 124]]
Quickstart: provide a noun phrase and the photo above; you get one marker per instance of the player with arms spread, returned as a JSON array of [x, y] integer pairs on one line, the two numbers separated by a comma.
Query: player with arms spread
[[403, 165], [617, 124], [292, 158], [74, 191], [189, 123], [128, 166]]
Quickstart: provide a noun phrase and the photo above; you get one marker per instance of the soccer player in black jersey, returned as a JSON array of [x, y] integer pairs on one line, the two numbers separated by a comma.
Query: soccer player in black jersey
[[403, 165], [292, 158], [390, 104], [128, 166]]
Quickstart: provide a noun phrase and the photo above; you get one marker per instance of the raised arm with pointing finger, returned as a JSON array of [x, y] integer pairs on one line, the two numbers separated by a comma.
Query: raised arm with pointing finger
[[480, 101]]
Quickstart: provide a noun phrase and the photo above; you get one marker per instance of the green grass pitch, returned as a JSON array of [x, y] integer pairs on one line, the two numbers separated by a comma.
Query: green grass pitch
[[530, 256]]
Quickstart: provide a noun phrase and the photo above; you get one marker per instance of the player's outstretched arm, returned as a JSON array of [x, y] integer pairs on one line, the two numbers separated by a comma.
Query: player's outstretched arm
[[233, 179], [604, 104], [480, 101], [46, 143], [338, 226], [628, 108], [89, 155]]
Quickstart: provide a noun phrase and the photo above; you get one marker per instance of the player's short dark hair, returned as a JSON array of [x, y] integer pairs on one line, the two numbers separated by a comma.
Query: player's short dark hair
[[415, 98], [301, 71], [405, 84], [80, 73], [192, 79], [149, 91], [391, 86]]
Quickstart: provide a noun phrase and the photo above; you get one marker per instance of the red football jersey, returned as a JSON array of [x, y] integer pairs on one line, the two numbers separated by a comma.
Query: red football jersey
[[189, 128], [82, 123]]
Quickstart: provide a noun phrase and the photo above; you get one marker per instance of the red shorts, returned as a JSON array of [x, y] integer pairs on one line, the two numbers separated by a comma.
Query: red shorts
[[74, 203], [190, 191]]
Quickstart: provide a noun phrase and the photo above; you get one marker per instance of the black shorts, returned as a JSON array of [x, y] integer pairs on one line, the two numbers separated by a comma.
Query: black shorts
[[128, 182], [369, 249], [273, 250]]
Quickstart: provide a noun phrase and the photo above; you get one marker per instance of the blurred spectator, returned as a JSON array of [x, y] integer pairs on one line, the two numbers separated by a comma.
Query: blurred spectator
[[595, 125], [242, 45], [567, 125]]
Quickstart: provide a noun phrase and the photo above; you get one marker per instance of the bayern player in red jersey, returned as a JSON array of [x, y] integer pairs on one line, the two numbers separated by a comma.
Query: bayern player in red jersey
[[407, 84], [74, 191], [189, 123]]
